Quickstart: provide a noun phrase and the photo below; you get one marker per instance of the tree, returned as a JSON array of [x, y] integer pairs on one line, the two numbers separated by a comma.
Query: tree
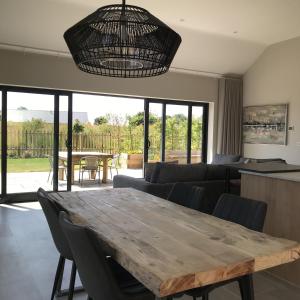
[[101, 120], [34, 125], [78, 127], [138, 119], [22, 108]]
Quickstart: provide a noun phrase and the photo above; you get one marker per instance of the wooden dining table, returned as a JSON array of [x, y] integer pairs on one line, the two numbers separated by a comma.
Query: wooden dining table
[[77, 156], [171, 248]]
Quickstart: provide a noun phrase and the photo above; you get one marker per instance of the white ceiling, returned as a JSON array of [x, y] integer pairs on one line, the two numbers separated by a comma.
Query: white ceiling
[[219, 36]]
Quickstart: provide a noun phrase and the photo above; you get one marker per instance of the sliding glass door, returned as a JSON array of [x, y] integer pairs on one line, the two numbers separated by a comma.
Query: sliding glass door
[[30, 119], [34, 127], [154, 140], [175, 131]]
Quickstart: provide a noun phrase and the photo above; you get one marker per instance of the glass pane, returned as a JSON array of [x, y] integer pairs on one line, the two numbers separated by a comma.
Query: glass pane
[[109, 125], [155, 127], [29, 142], [63, 136], [197, 117], [176, 133], [0, 137]]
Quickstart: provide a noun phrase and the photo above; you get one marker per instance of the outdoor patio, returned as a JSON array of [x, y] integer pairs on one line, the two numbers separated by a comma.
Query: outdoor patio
[[30, 181]]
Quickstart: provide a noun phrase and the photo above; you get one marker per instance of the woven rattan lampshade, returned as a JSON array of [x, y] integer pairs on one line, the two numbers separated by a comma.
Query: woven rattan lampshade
[[122, 41]]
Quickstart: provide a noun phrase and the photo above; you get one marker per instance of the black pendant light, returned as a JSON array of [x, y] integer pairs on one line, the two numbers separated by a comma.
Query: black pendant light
[[122, 41]]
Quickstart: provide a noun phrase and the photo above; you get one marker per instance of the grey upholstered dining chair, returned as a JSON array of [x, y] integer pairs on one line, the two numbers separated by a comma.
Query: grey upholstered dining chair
[[248, 213], [51, 211], [188, 195], [95, 270]]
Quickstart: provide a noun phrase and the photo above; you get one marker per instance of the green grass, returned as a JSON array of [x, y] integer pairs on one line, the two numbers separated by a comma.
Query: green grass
[[19, 165]]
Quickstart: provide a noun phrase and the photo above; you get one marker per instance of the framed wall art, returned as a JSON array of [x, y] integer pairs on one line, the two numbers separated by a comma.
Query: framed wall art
[[265, 124]]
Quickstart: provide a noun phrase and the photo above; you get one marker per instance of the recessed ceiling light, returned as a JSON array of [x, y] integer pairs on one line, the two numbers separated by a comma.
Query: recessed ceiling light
[[182, 20], [235, 32]]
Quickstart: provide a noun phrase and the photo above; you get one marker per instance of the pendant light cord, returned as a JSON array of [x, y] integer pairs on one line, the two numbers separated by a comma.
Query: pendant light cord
[[123, 7]]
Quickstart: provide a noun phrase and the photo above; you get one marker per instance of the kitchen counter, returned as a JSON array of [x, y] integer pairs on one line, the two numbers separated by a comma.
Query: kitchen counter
[[281, 191]]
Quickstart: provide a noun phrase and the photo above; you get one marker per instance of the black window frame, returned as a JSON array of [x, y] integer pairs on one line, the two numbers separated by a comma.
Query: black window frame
[[190, 105]]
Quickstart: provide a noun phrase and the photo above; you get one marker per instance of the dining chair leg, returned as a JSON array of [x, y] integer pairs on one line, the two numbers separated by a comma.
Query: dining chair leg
[[49, 176], [59, 285], [72, 281], [110, 173], [246, 287], [58, 275], [205, 296]]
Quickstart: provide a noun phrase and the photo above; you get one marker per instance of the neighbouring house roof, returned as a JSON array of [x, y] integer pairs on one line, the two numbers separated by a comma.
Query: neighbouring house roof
[[18, 115]]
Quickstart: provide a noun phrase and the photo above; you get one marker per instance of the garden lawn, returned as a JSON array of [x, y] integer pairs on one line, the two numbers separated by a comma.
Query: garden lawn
[[19, 165]]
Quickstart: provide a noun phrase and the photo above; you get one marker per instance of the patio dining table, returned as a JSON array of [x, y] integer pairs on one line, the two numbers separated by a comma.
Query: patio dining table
[[77, 156], [171, 248]]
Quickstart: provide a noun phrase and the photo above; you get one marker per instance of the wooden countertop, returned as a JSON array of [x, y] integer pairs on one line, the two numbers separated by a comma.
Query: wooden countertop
[[291, 176]]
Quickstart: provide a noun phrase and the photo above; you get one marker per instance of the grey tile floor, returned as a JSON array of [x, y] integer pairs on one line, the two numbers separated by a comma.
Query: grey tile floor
[[28, 261]]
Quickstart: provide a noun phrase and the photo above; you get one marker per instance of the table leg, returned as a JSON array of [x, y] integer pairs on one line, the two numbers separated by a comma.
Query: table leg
[[61, 174], [72, 172], [105, 169], [93, 174], [61, 171]]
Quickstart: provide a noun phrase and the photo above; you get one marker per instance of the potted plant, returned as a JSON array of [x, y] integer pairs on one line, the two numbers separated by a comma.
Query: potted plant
[[135, 160]]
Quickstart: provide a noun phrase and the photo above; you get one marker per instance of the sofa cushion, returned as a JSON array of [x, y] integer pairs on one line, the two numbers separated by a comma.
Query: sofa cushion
[[215, 172], [221, 159], [167, 173], [150, 166]]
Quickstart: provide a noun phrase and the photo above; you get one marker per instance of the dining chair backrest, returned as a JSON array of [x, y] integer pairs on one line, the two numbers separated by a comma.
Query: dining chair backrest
[[90, 259], [187, 195], [243, 211], [50, 158], [115, 160], [51, 211], [90, 162]]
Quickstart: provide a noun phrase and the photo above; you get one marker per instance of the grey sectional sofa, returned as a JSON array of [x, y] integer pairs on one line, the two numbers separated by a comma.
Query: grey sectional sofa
[[160, 178]]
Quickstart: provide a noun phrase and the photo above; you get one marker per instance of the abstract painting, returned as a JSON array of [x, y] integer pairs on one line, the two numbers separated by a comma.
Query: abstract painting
[[266, 124]]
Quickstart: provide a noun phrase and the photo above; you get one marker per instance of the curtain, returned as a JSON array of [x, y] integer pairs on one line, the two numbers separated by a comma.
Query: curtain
[[230, 116]]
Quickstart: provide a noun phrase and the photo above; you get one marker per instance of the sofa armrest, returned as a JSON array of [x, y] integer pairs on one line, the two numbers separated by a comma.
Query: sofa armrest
[[156, 189], [123, 181]]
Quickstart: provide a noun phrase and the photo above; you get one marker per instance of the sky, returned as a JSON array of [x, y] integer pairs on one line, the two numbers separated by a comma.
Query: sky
[[94, 105]]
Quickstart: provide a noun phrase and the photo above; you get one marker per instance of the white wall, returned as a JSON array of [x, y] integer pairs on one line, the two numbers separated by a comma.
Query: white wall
[[46, 71], [275, 78]]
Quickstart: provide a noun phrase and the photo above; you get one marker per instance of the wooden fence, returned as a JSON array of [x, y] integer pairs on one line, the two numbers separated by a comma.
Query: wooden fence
[[40, 144]]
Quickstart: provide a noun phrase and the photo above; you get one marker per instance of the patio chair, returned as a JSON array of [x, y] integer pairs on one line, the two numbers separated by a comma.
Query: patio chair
[[113, 163], [90, 164], [61, 167]]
